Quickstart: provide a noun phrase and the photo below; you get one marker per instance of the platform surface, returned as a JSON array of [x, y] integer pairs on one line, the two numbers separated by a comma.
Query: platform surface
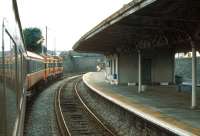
[[161, 105]]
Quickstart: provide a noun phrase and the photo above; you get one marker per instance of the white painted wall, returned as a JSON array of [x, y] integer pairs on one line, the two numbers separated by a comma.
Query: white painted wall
[[128, 68], [162, 66]]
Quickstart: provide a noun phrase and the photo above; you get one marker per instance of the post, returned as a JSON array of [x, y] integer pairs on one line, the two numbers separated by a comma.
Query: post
[[117, 67], [173, 68], [194, 81], [113, 65], [110, 75], [46, 39], [139, 72], [110, 65]]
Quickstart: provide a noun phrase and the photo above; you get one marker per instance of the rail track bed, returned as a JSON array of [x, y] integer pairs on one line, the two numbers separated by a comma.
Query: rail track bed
[[40, 118], [74, 117], [119, 117]]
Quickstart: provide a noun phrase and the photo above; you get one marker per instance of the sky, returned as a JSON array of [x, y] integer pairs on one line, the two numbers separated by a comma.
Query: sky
[[66, 20]]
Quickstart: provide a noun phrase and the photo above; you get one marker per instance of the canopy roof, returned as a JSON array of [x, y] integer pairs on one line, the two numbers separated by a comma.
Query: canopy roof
[[142, 24]]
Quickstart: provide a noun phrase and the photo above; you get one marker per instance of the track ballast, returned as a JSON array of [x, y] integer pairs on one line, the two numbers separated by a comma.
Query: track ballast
[[74, 117]]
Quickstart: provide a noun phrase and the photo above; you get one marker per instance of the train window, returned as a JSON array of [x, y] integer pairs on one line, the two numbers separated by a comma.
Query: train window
[[31, 66], [2, 86], [11, 76], [21, 69], [36, 66]]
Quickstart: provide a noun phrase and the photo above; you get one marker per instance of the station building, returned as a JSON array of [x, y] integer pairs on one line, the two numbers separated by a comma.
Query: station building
[[140, 42], [141, 39], [123, 68]]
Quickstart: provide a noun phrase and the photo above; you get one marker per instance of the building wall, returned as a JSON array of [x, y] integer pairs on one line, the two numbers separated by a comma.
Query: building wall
[[109, 68], [162, 66], [128, 68]]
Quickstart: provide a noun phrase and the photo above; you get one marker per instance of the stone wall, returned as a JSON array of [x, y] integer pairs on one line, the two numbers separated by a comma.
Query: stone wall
[[183, 67], [80, 62]]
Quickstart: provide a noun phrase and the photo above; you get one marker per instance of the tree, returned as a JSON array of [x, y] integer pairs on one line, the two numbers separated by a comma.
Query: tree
[[33, 39]]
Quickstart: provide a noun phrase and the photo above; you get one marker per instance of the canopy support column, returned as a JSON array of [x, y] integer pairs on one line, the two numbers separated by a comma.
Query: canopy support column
[[117, 67], [139, 72], [113, 65], [194, 80]]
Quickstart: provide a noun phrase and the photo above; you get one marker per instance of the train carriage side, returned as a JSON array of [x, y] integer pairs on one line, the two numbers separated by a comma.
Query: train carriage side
[[51, 68], [12, 70], [36, 69], [46, 62], [48, 73], [59, 67], [55, 66]]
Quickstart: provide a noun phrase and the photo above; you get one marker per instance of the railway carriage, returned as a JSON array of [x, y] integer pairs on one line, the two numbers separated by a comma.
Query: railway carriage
[[58, 66], [54, 67], [48, 67], [36, 69], [13, 70], [42, 68], [20, 70]]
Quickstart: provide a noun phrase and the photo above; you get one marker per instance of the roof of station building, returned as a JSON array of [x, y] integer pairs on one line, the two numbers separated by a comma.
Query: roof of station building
[[145, 24]]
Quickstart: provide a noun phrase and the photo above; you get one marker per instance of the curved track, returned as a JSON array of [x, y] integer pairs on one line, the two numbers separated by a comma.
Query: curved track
[[73, 116]]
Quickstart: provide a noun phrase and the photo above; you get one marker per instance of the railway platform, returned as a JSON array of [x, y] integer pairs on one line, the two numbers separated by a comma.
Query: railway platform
[[161, 105]]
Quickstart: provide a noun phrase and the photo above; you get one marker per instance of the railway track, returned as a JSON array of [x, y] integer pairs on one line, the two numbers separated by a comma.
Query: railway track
[[73, 116]]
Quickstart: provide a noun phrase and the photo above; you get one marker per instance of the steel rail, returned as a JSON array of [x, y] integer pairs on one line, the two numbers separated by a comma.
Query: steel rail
[[90, 111], [64, 130]]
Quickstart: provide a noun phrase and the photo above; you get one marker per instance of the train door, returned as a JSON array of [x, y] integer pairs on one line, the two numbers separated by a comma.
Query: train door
[[146, 70]]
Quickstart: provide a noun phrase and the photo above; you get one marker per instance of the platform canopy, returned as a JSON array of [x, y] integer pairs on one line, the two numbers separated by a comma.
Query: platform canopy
[[146, 24]]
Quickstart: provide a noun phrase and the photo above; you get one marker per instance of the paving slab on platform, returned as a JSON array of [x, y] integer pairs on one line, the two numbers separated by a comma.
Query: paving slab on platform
[[163, 103]]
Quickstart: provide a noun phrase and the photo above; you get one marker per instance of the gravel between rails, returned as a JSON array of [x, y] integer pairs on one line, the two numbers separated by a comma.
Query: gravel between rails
[[79, 122], [40, 117]]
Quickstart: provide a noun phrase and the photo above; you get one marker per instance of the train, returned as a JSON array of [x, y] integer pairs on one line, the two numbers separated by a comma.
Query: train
[[42, 68], [20, 70]]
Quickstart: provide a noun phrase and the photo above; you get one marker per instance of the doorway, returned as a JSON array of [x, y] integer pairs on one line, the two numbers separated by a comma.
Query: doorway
[[146, 70]]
